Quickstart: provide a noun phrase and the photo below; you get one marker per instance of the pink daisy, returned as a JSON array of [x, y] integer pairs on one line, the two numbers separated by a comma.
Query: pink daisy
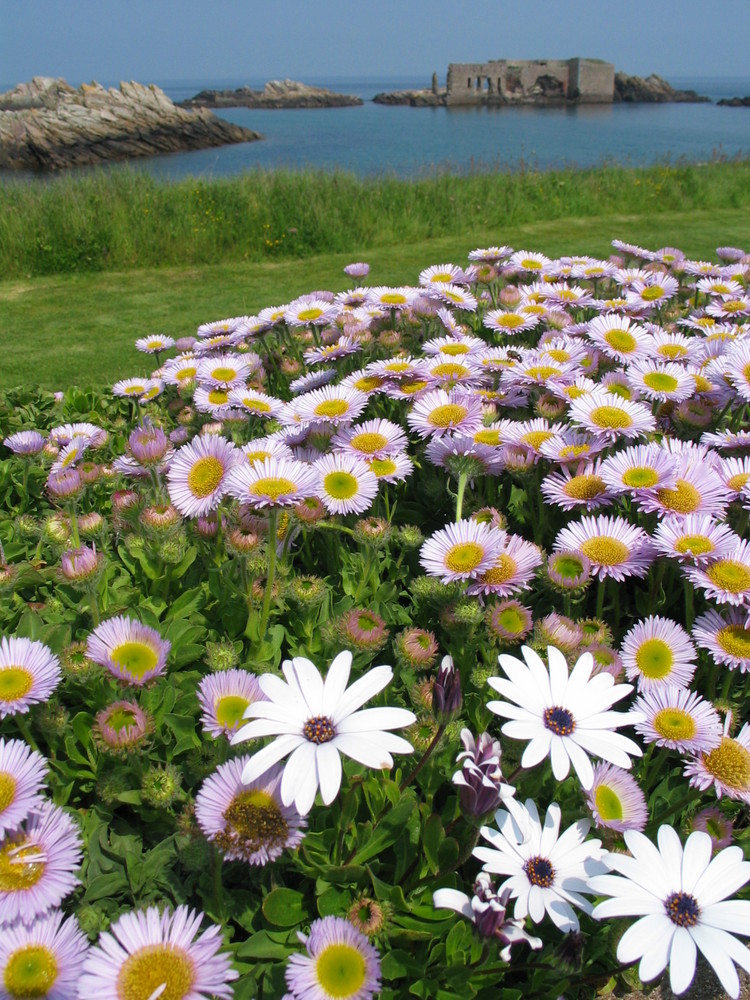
[[131, 651], [616, 800], [614, 547], [29, 673], [22, 772], [462, 551], [657, 652]]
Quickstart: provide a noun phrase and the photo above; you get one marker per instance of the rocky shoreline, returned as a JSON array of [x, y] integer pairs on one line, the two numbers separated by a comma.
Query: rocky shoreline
[[275, 94], [652, 90], [735, 102], [47, 125]]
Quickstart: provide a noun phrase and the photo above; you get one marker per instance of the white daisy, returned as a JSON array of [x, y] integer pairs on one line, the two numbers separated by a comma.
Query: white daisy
[[564, 716], [314, 721]]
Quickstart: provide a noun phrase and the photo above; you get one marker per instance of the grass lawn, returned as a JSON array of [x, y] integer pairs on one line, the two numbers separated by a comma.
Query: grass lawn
[[80, 328]]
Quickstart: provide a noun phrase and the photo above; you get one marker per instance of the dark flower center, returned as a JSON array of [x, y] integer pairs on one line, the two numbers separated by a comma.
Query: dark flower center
[[559, 721], [539, 871], [682, 909], [319, 729]]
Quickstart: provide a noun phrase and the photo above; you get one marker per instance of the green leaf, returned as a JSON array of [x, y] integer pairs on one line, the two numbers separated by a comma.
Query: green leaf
[[105, 885], [433, 836], [284, 907], [266, 945], [345, 874], [389, 829], [447, 854]]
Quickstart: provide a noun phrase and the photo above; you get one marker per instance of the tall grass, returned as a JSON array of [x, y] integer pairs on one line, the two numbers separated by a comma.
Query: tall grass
[[120, 219]]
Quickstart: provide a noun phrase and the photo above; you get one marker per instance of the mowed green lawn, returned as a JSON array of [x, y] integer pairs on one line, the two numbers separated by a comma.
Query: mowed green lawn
[[80, 329]]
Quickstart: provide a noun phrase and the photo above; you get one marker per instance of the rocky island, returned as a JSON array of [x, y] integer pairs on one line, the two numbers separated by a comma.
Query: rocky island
[[275, 94], [48, 125], [652, 89], [735, 102]]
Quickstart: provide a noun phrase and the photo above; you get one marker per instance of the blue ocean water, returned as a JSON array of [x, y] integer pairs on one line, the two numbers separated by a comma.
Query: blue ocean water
[[408, 142]]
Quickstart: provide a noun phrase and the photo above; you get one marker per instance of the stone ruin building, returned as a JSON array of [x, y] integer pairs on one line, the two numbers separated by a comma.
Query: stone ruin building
[[537, 81]]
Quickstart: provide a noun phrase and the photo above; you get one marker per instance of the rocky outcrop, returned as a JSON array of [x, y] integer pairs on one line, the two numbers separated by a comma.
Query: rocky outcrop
[[48, 125], [275, 94], [412, 98], [735, 102], [652, 89]]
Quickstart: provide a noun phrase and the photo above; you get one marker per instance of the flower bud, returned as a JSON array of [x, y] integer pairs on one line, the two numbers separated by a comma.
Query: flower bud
[[446, 692]]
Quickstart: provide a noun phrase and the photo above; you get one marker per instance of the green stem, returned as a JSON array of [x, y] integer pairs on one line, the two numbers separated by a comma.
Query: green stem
[[25, 729], [272, 521], [94, 605], [600, 589], [689, 612], [463, 478], [679, 806], [218, 886], [74, 526], [425, 757]]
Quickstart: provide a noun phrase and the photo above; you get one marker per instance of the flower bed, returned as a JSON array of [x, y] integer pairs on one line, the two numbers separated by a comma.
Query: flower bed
[[387, 643]]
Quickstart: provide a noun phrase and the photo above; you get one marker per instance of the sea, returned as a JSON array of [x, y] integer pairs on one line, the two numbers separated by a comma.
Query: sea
[[375, 140]]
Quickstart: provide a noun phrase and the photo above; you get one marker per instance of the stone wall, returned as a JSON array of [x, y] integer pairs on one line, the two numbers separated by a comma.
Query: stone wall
[[538, 81]]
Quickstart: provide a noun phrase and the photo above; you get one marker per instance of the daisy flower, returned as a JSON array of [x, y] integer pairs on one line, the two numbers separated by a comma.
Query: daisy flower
[[726, 767], [154, 343], [527, 260], [490, 255], [619, 338], [247, 821], [616, 800], [223, 698], [257, 404], [726, 579], [508, 622], [122, 726], [132, 387], [680, 895], [316, 720], [312, 380], [614, 547], [331, 405], [657, 652], [42, 959], [197, 474], [64, 433], [528, 433], [441, 274], [25, 442], [583, 488], [654, 290], [718, 826], [340, 962], [29, 673], [440, 412], [180, 370], [455, 346], [678, 718], [611, 416], [345, 484], [22, 773], [259, 449], [310, 311], [664, 381], [37, 859], [371, 439], [132, 652], [637, 468], [570, 446], [447, 373], [697, 490], [726, 636], [547, 871], [392, 468], [508, 321], [462, 551], [512, 570], [564, 716], [272, 482], [695, 538], [150, 954], [385, 297]]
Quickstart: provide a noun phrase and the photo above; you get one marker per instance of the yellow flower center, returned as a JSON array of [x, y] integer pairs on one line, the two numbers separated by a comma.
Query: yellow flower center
[[331, 408], [258, 405], [608, 804], [621, 340], [730, 763], [340, 970], [697, 545], [674, 724], [672, 351], [135, 390], [134, 658], [308, 315], [735, 640], [453, 349], [542, 372], [512, 621], [253, 820], [652, 292], [156, 970], [529, 264], [574, 450], [558, 354], [257, 456], [464, 557], [155, 345], [185, 374], [503, 570], [729, 575], [447, 415], [488, 436], [21, 864], [397, 367], [218, 397], [272, 487], [450, 370], [737, 482], [660, 381], [410, 388], [610, 417], [341, 485], [534, 439], [640, 477], [382, 466], [702, 384], [442, 277], [684, 498], [393, 298], [368, 382], [369, 443], [605, 550], [585, 487], [229, 710], [15, 682], [30, 971], [205, 476], [510, 320], [732, 305], [224, 374], [7, 790], [654, 659]]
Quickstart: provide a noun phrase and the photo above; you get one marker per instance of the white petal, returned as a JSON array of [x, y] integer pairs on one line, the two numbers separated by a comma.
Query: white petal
[[539, 672], [300, 764], [536, 751], [335, 683], [374, 719], [670, 848], [361, 691], [562, 915], [550, 830], [524, 695], [723, 877], [260, 762], [536, 903], [720, 948], [452, 899], [559, 758], [329, 772], [695, 859], [682, 957], [275, 689], [730, 915], [558, 675], [655, 959], [639, 938], [364, 751], [310, 684], [581, 763]]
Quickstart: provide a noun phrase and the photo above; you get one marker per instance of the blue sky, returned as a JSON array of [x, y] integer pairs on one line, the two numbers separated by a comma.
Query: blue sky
[[156, 40]]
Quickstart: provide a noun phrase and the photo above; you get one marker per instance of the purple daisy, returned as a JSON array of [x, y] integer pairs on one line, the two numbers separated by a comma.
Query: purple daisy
[[658, 652], [340, 962], [197, 476], [29, 673], [614, 547], [726, 767], [616, 800], [726, 636], [25, 442], [22, 773], [132, 652], [678, 718], [42, 959], [247, 822], [223, 698]]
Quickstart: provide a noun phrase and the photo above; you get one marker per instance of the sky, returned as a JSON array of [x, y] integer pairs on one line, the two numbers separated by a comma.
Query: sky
[[309, 40]]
